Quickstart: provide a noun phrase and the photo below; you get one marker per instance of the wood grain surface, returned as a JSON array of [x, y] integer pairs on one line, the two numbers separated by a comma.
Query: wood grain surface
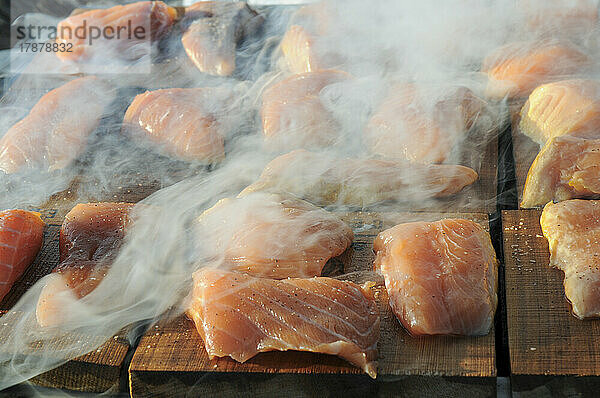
[[101, 369], [172, 354], [545, 339]]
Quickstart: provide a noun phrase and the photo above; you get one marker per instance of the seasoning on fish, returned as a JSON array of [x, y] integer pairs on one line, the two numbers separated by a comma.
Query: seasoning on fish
[[90, 238], [239, 316], [293, 114], [21, 238], [573, 232], [181, 122], [325, 179], [215, 30], [415, 124], [564, 107], [126, 30], [567, 167], [270, 235], [56, 130], [516, 69], [441, 276]]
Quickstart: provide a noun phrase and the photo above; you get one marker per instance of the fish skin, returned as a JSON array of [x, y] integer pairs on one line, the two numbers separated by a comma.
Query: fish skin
[[89, 241], [21, 238], [181, 122], [239, 316], [441, 277], [516, 69], [406, 125], [325, 180], [563, 107], [293, 116], [272, 235], [217, 27], [572, 228], [567, 167], [153, 14], [53, 135]]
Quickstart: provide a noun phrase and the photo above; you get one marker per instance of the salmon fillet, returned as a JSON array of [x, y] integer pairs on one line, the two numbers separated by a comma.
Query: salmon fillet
[[441, 276], [324, 179], [559, 17], [155, 16], [516, 69], [239, 316], [271, 235], [90, 238], [21, 238], [409, 125], [214, 31], [180, 122], [293, 115], [565, 107], [52, 135], [573, 232], [567, 167]]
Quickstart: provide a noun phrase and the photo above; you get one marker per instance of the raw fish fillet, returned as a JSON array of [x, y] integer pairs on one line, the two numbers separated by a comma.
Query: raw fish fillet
[[272, 236], [441, 276], [560, 17], [21, 238], [293, 115], [90, 238], [565, 107], [239, 316], [516, 69], [411, 124], [211, 39], [155, 16], [181, 122], [56, 130], [567, 167], [300, 44], [573, 232], [324, 179]]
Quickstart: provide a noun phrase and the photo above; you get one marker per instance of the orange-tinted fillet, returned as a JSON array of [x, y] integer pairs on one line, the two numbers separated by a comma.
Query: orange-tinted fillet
[[272, 236], [514, 70], [559, 108], [567, 167], [325, 179], [441, 276], [89, 241], [293, 115], [181, 122], [152, 19], [573, 232], [410, 125], [21, 237], [56, 130], [239, 316]]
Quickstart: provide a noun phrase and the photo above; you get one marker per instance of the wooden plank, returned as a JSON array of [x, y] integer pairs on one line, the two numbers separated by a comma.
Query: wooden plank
[[171, 357], [524, 149], [99, 370], [545, 339]]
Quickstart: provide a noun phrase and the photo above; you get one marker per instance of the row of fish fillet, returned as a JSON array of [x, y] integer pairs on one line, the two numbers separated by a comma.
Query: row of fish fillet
[[259, 285]]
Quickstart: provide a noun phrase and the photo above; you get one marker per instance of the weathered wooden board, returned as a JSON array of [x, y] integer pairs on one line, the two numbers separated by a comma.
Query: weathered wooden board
[[170, 359], [545, 339], [524, 149], [99, 370]]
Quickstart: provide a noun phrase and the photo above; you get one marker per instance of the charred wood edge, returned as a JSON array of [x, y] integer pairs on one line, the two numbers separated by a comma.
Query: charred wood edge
[[506, 200], [175, 384]]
